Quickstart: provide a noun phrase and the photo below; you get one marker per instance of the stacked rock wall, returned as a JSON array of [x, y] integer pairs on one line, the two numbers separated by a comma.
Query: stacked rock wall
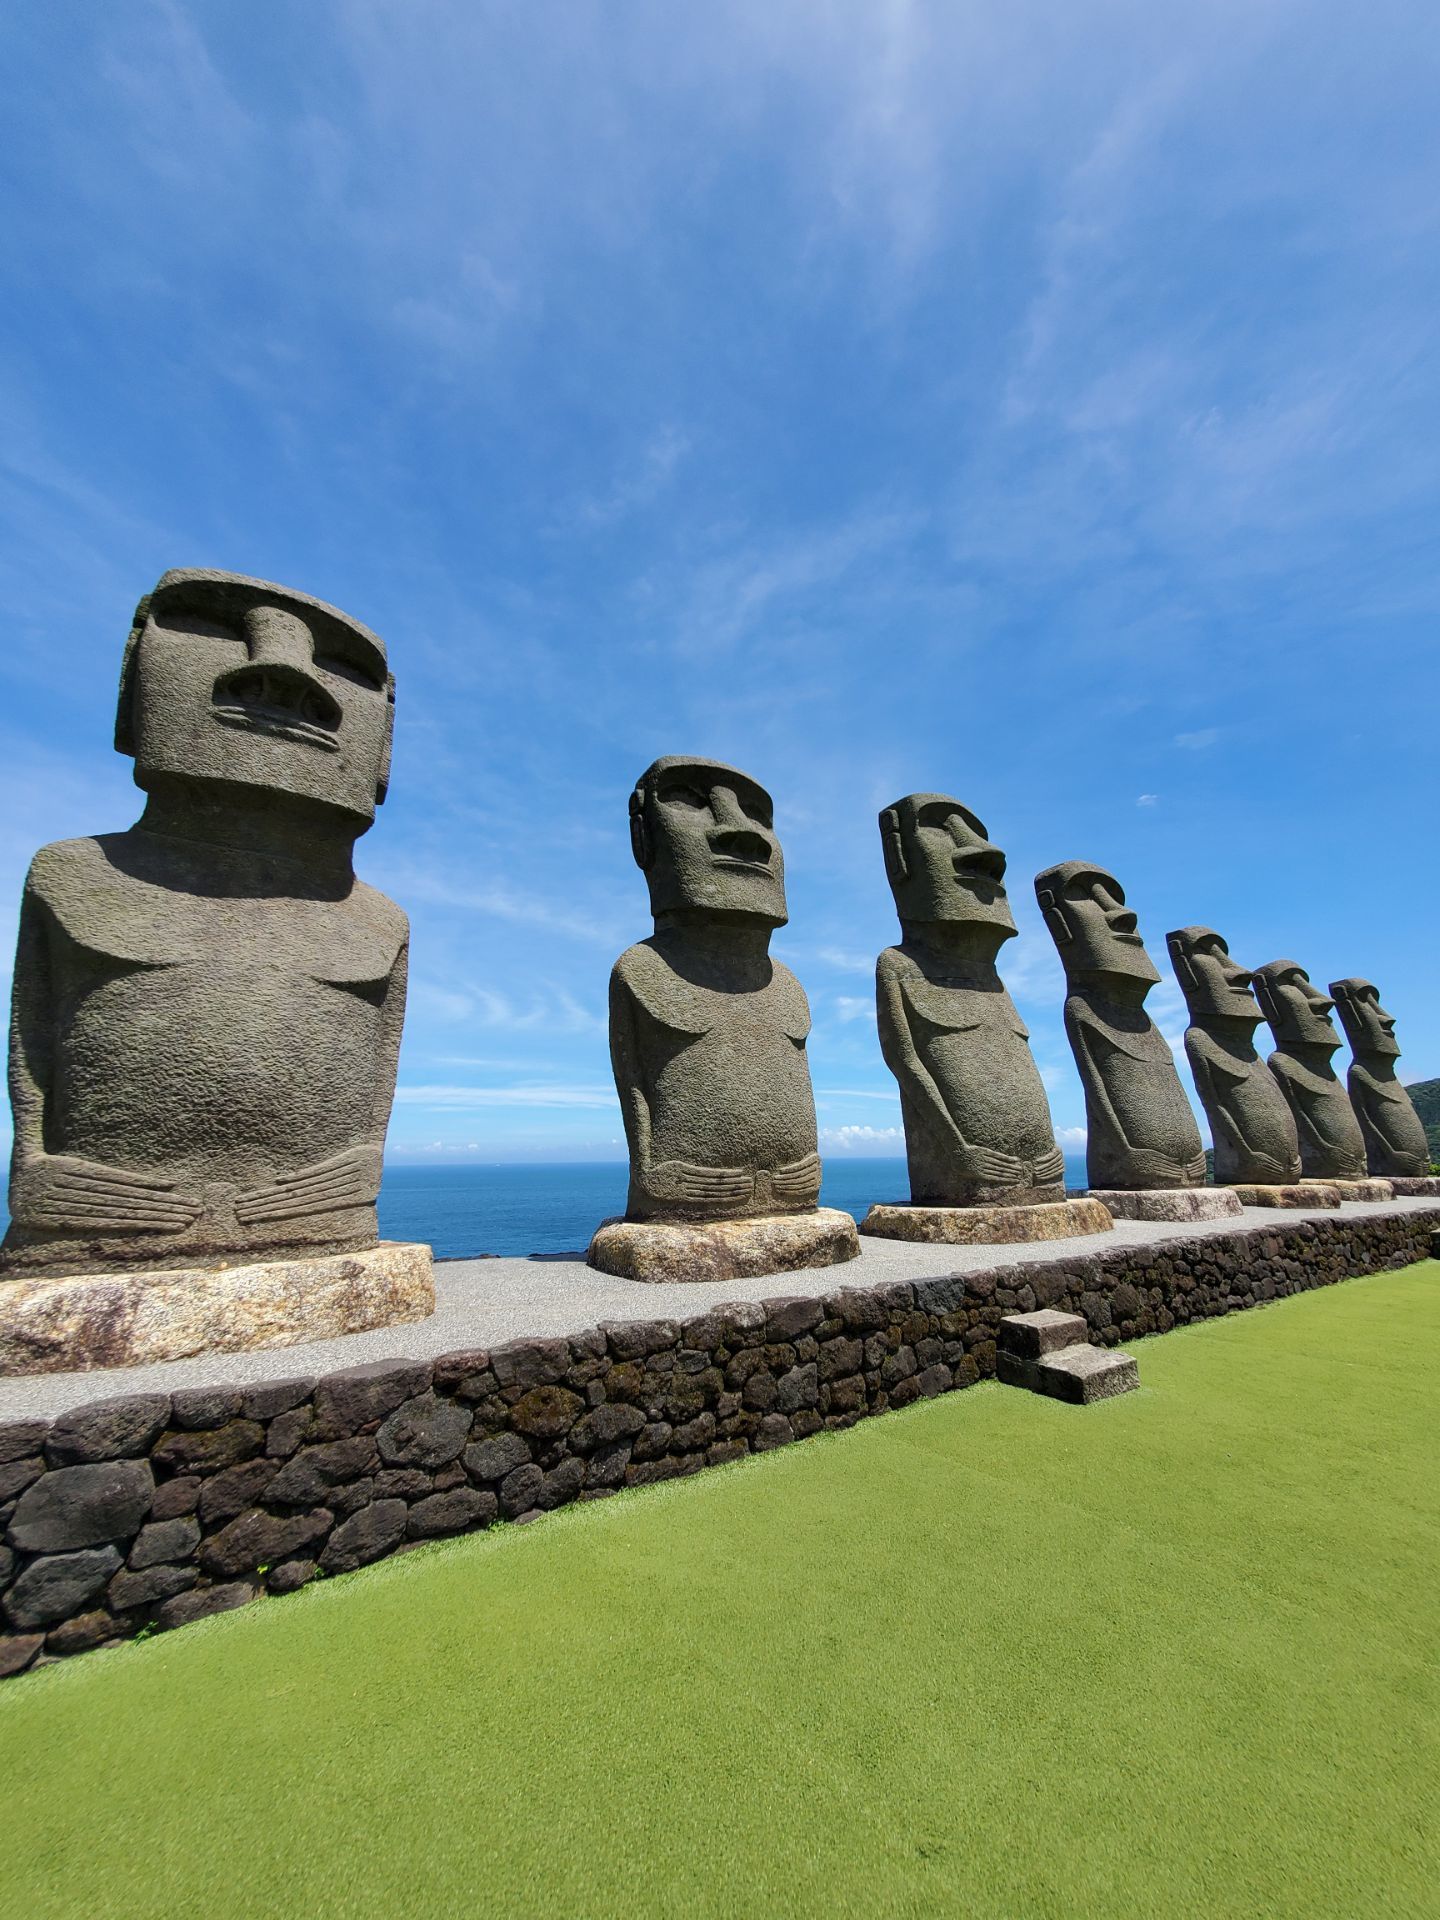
[[147, 1512]]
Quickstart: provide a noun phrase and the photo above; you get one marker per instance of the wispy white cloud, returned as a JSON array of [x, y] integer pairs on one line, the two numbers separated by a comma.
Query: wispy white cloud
[[461, 1098], [1197, 741], [860, 1139]]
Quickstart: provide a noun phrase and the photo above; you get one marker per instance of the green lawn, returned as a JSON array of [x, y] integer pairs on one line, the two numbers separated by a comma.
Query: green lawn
[[1173, 1654]]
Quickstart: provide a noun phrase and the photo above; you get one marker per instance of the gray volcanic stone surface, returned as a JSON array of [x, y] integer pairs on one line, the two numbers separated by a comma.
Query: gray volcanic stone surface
[[207, 1006], [1250, 1120], [81, 1506], [977, 1123], [707, 1032], [1142, 1132], [1331, 1144], [1393, 1131]]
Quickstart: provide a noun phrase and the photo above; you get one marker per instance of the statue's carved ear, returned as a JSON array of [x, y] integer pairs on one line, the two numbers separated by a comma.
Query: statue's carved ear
[[382, 785], [1184, 972], [125, 707], [1054, 916], [1269, 1005], [639, 836], [896, 866]]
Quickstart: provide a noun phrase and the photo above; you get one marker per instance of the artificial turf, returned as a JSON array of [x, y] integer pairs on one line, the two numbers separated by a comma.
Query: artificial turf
[[1172, 1654]]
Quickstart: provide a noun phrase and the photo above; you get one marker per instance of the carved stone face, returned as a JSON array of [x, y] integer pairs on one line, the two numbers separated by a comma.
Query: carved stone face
[[1298, 1013], [235, 680], [1368, 1027], [1094, 930], [941, 864], [1214, 985], [703, 834]]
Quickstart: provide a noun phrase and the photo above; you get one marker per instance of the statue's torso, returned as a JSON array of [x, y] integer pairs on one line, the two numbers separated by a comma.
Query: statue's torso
[[976, 1048], [1394, 1133], [1331, 1143], [1250, 1119], [1135, 1071], [209, 1037], [723, 1071]]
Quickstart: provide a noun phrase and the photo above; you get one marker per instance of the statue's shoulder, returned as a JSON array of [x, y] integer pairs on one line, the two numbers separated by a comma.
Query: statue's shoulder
[[640, 967], [644, 973], [895, 964], [66, 869], [388, 919], [787, 997]]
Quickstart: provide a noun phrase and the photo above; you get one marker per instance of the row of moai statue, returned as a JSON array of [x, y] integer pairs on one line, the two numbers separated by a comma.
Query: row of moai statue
[[208, 1005]]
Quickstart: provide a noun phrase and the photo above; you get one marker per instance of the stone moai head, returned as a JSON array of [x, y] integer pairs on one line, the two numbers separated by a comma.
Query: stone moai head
[[942, 866], [1368, 1027], [1298, 1013], [1093, 929], [703, 835], [1215, 986], [236, 683]]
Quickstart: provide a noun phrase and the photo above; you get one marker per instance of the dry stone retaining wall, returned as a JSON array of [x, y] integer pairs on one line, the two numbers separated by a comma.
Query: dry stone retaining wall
[[147, 1512]]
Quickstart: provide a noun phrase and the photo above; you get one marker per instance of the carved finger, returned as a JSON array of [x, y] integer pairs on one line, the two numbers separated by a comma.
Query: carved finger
[[112, 1220], [341, 1163], [121, 1186], [320, 1183]]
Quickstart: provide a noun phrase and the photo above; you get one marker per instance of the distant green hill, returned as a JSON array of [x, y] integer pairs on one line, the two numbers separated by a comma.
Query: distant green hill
[[1426, 1095]]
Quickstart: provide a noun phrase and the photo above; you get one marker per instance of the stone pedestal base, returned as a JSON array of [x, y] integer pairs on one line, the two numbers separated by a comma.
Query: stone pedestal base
[[73, 1323], [1415, 1186], [1168, 1203], [1296, 1196], [1357, 1189], [655, 1250], [986, 1226]]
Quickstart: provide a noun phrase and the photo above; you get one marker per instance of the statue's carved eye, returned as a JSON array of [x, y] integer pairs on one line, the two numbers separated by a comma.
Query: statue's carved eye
[[349, 670], [177, 621], [686, 797], [757, 811]]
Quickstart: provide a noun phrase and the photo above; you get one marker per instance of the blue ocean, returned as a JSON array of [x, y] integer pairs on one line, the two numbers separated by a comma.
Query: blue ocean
[[467, 1210]]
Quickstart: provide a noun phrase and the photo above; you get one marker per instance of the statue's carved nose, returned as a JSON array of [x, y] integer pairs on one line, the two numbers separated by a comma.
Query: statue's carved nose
[[278, 680], [980, 863], [280, 689], [1122, 920], [741, 843]]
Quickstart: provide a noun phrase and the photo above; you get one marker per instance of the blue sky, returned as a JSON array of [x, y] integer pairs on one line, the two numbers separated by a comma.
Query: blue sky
[[1035, 404]]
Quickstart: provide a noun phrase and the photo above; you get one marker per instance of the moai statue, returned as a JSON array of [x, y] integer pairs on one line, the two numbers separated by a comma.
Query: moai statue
[[207, 1006], [978, 1134], [707, 1040], [1256, 1147], [1144, 1154], [1331, 1144], [1394, 1134]]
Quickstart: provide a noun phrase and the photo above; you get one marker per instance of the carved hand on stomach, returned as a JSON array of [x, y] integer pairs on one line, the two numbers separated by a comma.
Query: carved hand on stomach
[[800, 1178], [62, 1190], [994, 1169], [681, 1180], [349, 1179]]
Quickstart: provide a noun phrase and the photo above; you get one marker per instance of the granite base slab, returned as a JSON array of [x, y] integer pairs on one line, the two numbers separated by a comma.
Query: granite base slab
[[1357, 1189], [657, 1251], [80, 1322], [1169, 1203], [1415, 1186], [1297, 1197], [986, 1226]]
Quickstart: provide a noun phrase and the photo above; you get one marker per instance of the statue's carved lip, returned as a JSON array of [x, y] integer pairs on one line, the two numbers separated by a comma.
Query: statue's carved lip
[[275, 720], [745, 866]]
